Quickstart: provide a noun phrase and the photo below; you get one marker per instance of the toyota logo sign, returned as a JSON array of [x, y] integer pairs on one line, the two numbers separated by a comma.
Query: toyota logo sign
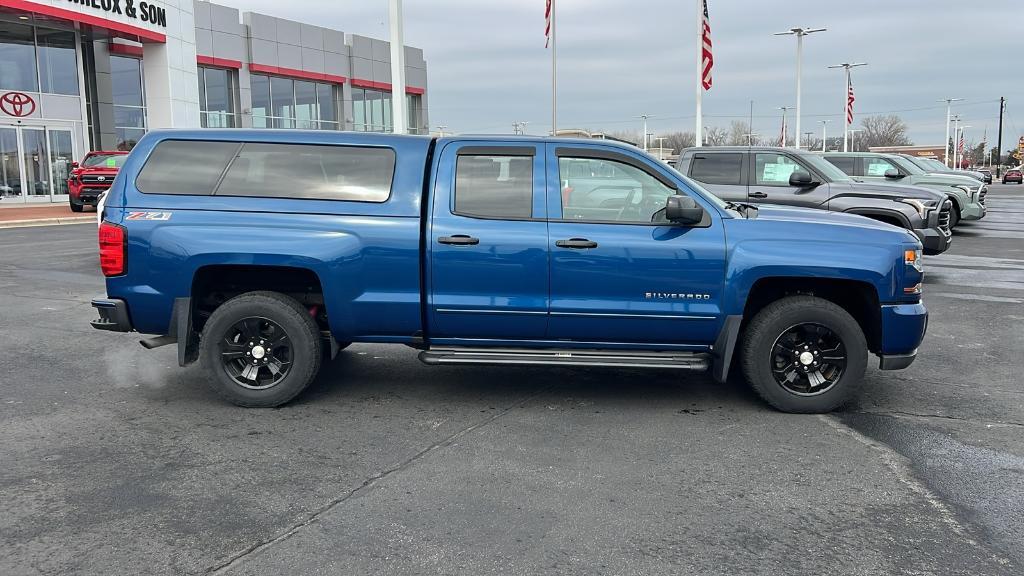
[[17, 104]]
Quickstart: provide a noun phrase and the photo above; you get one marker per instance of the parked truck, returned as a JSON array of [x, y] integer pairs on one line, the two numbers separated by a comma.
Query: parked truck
[[264, 253]]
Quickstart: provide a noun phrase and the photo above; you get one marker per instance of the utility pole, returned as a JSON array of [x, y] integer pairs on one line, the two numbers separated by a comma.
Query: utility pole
[[823, 122], [808, 139], [799, 33], [999, 141], [949, 103]]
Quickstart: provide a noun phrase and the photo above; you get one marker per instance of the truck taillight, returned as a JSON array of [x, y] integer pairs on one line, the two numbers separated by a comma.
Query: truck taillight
[[112, 249]]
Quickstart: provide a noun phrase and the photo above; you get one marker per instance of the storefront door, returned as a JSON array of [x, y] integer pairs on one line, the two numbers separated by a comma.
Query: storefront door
[[34, 164]]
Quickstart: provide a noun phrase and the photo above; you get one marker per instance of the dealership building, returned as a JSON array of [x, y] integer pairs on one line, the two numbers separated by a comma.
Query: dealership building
[[81, 75]]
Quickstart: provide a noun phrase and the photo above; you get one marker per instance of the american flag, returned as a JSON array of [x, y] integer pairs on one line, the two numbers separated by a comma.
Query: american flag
[[960, 144], [849, 100], [547, 23], [707, 58]]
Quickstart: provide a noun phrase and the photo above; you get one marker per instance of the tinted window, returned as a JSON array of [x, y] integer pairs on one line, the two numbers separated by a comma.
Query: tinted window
[[311, 172], [494, 186], [185, 167], [602, 190], [104, 160], [716, 168], [844, 163], [772, 169]]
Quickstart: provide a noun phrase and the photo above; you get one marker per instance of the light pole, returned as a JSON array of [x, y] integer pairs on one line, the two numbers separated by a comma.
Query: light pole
[[645, 117], [398, 106], [808, 139], [823, 122], [440, 130], [949, 102], [783, 139], [661, 147], [846, 97], [853, 138], [799, 33]]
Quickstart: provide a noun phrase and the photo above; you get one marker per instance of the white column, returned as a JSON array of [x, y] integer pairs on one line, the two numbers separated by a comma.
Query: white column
[[699, 125], [945, 157], [398, 103], [171, 76], [799, 73]]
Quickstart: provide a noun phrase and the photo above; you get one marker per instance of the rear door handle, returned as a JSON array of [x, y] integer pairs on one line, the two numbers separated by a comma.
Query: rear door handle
[[576, 243], [459, 240], [758, 195]]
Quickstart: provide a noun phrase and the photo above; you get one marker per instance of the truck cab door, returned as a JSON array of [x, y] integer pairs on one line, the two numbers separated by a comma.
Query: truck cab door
[[619, 279], [769, 181], [723, 173], [487, 255]]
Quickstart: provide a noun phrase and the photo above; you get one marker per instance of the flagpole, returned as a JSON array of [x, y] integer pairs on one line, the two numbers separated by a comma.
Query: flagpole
[[699, 127], [554, 76]]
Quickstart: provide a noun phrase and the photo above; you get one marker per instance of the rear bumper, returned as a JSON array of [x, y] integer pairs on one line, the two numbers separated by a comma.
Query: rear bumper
[[934, 240], [903, 329], [113, 315]]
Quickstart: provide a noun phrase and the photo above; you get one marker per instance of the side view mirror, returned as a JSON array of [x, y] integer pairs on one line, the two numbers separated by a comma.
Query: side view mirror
[[683, 210], [74, 164], [893, 174], [801, 178]]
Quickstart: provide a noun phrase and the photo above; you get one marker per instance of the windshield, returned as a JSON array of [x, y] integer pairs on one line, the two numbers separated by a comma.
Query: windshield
[[934, 165], [912, 168], [104, 160], [826, 168]]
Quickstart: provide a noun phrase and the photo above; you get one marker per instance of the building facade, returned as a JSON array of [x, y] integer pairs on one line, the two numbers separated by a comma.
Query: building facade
[[81, 75]]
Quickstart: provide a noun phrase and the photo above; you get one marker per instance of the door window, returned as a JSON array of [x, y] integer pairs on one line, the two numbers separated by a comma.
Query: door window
[[716, 168], [603, 190], [499, 187], [877, 166], [771, 169], [845, 163]]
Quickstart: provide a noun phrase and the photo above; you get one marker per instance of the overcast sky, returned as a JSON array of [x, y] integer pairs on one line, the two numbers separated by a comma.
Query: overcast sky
[[618, 59]]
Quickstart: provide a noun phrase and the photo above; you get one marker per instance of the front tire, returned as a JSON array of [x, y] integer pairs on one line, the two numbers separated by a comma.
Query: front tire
[[261, 348], [804, 354], [76, 207]]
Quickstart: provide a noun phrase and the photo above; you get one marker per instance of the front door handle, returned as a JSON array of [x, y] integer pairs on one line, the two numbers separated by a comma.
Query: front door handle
[[576, 243], [459, 240], [758, 195]]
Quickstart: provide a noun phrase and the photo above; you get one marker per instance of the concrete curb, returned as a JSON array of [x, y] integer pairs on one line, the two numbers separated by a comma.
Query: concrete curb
[[47, 221]]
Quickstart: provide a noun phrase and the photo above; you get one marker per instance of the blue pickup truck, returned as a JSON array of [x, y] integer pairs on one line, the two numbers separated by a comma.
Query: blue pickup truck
[[264, 253]]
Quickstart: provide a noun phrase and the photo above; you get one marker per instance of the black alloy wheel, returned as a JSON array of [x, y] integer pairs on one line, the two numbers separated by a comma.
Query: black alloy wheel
[[808, 359], [256, 353]]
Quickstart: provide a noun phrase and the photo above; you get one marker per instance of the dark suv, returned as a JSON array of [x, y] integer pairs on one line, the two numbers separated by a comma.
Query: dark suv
[[797, 178]]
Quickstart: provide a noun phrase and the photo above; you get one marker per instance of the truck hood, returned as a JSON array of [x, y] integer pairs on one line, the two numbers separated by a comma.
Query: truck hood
[[776, 213], [893, 191], [948, 179]]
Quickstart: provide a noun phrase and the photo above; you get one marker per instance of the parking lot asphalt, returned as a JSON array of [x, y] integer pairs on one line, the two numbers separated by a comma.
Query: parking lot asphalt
[[116, 461]]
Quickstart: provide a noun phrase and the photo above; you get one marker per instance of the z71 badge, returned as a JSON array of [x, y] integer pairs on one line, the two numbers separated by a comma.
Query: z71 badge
[[148, 216]]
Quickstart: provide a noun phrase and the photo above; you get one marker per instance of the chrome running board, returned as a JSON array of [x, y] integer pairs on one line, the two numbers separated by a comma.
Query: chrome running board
[[567, 357]]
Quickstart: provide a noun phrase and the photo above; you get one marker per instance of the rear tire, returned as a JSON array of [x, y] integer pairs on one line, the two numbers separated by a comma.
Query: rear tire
[[790, 352], [261, 348]]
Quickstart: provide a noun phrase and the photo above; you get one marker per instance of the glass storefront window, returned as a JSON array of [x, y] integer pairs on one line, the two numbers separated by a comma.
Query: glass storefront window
[[216, 98], [58, 66], [415, 114], [285, 103], [18, 58], [371, 110], [129, 108]]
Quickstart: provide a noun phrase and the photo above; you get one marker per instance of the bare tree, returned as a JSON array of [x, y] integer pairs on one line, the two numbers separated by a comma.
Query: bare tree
[[676, 141], [738, 133], [883, 130], [715, 136]]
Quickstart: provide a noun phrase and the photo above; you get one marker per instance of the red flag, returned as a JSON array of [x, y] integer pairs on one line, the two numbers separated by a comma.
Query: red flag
[[547, 23], [707, 58]]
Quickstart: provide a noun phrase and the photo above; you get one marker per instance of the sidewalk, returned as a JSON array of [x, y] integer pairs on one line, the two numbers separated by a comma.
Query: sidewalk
[[42, 215]]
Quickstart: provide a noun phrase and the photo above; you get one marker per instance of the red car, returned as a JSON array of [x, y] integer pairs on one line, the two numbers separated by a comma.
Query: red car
[[1013, 175], [92, 177]]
